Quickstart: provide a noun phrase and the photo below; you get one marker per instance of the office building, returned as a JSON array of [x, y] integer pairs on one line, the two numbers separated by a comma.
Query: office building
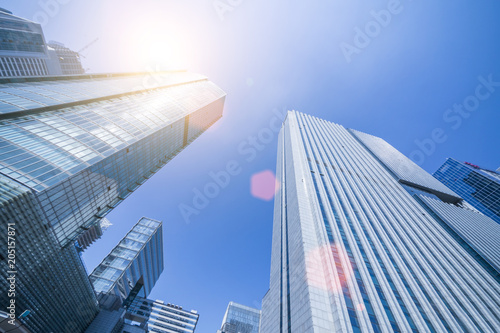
[[356, 247], [68, 60], [23, 51], [71, 150], [240, 319], [479, 187], [144, 315], [134, 265]]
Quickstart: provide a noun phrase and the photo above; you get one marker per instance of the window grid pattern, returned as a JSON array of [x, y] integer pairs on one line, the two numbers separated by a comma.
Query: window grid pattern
[[46, 148], [352, 207], [480, 188], [240, 319], [48, 277], [342, 276], [32, 95], [156, 316], [21, 41], [483, 234], [136, 256], [419, 271], [20, 66], [130, 148], [68, 59]]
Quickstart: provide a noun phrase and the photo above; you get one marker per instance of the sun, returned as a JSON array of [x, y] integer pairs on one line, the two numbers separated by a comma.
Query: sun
[[160, 50]]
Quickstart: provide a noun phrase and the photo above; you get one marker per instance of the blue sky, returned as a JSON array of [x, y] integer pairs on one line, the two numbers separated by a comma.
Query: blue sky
[[399, 78]]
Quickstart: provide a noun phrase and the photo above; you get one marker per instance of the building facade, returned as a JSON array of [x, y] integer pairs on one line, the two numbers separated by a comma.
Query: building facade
[[240, 319], [144, 315], [134, 265], [23, 51], [479, 187], [71, 150], [69, 61], [356, 248]]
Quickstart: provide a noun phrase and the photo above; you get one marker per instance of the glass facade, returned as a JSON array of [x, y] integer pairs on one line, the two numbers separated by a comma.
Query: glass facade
[[240, 319], [115, 142], [479, 187], [71, 149], [474, 229], [50, 281], [68, 59], [360, 242], [22, 47], [134, 265], [145, 315]]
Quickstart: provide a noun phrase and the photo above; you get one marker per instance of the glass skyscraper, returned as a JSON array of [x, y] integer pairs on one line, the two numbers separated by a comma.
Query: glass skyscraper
[[71, 150], [22, 47], [359, 246], [134, 265], [23, 51], [68, 59], [145, 315], [240, 319], [479, 187]]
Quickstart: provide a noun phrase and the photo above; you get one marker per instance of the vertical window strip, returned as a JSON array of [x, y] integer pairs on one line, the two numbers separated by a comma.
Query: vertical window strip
[[467, 280], [458, 300], [384, 269], [282, 208], [341, 275], [289, 315], [375, 281]]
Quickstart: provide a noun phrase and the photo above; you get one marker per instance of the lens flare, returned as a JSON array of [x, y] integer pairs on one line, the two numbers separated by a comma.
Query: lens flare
[[264, 185]]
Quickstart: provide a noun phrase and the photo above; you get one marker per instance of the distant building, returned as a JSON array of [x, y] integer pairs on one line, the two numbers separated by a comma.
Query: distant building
[[479, 187], [240, 319], [144, 315], [132, 268], [68, 60], [22, 47], [24, 52]]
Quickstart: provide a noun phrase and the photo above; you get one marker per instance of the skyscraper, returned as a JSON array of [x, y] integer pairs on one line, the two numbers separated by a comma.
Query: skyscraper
[[240, 319], [145, 315], [22, 47], [132, 268], [355, 249], [71, 150], [69, 60], [479, 187], [23, 51]]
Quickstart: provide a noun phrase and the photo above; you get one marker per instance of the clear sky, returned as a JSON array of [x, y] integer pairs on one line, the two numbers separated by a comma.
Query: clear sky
[[396, 69]]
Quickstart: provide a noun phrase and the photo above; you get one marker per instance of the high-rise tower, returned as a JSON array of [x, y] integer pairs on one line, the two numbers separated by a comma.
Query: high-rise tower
[[132, 268], [240, 319], [480, 187], [23, 51], [358, 245], [71, 150]]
